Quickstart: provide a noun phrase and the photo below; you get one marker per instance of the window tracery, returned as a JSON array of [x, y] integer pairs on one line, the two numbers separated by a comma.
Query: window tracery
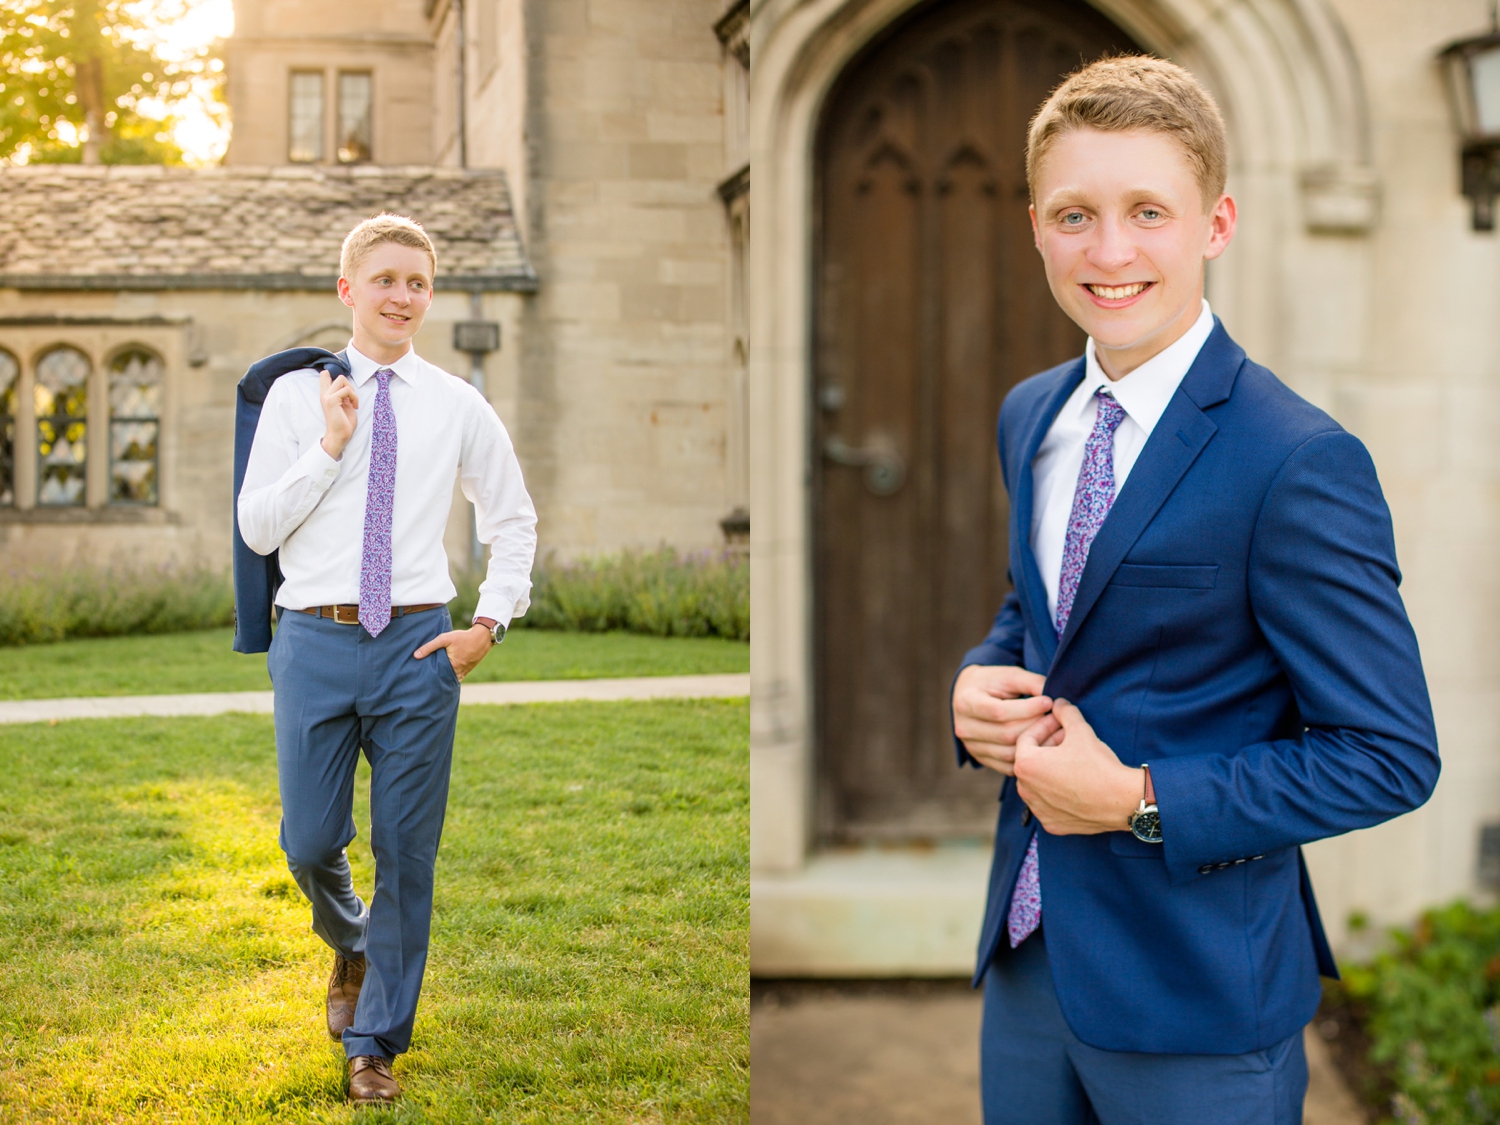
[[136, 376], [62, 395], [10, 385]]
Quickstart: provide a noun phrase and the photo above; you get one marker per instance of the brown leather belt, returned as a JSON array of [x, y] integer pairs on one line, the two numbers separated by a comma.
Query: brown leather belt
[[349, 614]]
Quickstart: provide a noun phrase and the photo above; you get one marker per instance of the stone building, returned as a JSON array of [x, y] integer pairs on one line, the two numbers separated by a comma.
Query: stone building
[[585, 188], [132, 300], [894, 297]]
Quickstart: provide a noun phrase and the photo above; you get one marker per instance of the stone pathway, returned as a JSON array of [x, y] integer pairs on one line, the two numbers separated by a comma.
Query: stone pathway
[[899, 1053], [906, 1053], [730, 685]]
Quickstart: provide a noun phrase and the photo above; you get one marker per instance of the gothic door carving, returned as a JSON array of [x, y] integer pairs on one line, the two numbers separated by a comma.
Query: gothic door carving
[[931, 305]]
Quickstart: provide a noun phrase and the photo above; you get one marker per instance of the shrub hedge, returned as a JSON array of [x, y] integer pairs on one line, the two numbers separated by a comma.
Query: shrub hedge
[[1431, 1009], [87, 601], [661, 593]]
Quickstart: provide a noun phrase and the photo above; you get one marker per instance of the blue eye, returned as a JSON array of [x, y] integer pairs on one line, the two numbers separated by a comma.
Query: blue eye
[[1073, 218], [1150, 214]]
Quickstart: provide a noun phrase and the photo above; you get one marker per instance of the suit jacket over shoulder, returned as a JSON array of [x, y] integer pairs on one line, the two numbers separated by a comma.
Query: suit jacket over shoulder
[[257, 577], [1238, 627]]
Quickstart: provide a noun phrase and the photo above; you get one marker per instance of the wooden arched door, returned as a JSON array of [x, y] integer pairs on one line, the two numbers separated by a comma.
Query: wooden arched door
[[932, 304]]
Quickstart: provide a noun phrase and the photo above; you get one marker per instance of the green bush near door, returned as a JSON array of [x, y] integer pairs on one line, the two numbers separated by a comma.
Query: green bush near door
[[1429, 1006]]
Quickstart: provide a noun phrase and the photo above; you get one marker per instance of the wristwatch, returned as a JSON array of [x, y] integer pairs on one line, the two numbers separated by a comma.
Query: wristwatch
[[1145, 822], [497, 630]]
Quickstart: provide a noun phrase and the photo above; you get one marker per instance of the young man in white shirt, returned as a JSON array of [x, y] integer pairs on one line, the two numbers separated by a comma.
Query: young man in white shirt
[[351, 479]]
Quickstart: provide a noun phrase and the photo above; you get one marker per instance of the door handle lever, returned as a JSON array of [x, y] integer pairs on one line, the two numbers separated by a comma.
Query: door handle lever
[[885, 472]]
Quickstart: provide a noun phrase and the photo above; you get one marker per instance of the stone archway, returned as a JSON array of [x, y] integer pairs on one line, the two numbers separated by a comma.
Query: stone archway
[[1291, 92]]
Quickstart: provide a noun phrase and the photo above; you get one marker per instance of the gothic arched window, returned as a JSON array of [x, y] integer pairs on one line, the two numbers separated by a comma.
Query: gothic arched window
[[62, 407], [10, 379], [135, 388]]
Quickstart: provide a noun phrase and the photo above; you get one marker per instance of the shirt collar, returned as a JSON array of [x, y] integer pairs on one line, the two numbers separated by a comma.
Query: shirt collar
[[363, 368], [1146, 391]]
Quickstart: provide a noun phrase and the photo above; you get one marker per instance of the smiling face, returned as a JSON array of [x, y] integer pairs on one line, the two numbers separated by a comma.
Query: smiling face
[[1121, 224], [390, 293]]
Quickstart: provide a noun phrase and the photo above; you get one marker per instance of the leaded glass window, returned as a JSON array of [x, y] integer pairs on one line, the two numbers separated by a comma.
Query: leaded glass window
[[10, 378], [306, 117], [355, 101], [135, 389], [62, 408]]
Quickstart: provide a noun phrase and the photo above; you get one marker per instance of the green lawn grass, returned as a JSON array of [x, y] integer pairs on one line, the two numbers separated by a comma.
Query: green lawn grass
[[190, 662], [590, 950]]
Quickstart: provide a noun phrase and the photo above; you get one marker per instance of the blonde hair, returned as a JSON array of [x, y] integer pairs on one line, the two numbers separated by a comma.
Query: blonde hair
[[1130, 92], [360, 241]]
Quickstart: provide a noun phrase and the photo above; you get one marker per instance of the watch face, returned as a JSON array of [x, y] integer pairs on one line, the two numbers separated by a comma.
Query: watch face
[[1146, 826]]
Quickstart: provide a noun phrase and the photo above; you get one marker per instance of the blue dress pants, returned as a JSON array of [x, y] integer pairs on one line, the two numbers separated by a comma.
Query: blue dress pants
[[339, 691], [1035, 1071]]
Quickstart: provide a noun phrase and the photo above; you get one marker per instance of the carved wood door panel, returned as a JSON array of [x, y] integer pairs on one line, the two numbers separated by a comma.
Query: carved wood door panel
[[932, 304]]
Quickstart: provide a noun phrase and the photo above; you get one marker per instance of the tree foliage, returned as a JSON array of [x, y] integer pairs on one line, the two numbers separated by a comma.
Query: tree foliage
[[74, 75]]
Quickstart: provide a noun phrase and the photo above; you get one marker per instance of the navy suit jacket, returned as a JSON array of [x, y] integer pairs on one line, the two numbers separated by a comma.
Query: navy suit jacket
[[1238, 627], [257, 577]]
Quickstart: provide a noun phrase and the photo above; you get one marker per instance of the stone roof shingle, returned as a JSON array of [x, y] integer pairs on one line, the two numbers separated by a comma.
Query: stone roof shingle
[[122, 227]]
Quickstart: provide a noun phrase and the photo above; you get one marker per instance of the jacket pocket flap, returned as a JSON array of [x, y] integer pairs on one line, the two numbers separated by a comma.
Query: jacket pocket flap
[[1166, 577], [1125, 843]]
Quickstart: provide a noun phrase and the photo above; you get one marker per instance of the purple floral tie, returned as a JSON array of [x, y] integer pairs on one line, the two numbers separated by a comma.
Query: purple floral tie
[[380, 499], [1092, 499]]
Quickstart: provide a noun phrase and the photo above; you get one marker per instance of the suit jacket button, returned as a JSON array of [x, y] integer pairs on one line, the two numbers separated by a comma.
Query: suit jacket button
[[1026, 817]]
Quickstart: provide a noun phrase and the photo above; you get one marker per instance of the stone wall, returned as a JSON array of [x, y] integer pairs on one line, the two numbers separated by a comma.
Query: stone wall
[[207, 339], [614, 166], [1428, 343]]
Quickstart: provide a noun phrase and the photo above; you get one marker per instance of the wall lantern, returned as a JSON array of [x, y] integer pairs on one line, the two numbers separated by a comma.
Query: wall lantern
[[1472, 69], [476, 336]]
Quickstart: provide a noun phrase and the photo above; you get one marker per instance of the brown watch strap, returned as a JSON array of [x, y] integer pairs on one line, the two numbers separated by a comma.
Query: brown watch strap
[[1150, 789]]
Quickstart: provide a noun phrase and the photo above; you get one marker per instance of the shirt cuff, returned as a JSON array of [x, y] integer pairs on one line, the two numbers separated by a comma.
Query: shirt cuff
[[497, 606]]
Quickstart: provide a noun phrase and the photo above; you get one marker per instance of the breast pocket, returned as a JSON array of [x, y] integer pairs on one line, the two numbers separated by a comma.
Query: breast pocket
[[1154, 577]]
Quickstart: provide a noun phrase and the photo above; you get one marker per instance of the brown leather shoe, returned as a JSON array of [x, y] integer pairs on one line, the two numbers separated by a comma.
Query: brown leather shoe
[[371, 1081], [343, 993]]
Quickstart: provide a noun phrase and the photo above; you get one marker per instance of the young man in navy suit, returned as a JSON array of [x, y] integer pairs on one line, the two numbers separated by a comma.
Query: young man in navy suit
[[1204, 664]]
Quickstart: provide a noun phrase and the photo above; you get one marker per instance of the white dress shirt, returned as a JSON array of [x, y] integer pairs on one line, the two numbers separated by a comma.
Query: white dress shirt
[[1143, 395], [298, 499]]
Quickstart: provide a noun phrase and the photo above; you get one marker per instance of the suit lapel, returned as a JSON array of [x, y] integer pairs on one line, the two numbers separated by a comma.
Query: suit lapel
[[1179, 437], [1029, 575]]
